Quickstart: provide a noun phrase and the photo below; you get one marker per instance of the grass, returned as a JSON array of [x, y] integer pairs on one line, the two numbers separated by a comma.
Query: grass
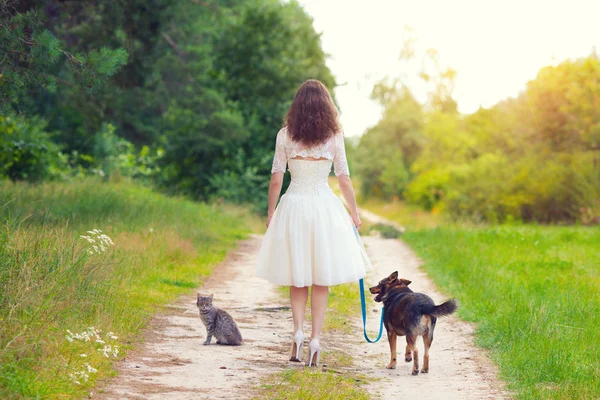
[[534, 293], [50, 283], [410, 217], [407, 216], [303, 384]]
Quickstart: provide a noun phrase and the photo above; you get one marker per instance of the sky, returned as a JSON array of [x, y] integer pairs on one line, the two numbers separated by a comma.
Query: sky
[[495, 46]]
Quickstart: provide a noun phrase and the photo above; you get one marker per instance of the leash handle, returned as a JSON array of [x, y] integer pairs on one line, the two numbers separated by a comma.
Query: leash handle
[[363, 304]]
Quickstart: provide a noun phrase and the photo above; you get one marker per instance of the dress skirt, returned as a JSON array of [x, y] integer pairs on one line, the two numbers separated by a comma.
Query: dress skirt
[[311, 240]]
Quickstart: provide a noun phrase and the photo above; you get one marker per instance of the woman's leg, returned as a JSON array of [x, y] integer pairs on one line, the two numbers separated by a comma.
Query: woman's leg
[[318, 306], [299, 297]]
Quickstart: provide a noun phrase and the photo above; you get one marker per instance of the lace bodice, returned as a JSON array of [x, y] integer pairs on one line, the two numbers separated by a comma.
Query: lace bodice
[[333, 149]]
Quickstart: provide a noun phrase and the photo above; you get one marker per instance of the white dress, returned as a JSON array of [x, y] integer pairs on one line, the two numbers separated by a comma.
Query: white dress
[[311, 238]]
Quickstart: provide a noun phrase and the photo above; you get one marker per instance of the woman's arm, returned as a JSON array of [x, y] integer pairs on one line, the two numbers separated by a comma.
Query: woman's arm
[[274, 191], [348, 192]]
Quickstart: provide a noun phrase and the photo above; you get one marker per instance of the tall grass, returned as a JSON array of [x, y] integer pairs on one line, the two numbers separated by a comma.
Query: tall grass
[[50, 282], [534, 293]]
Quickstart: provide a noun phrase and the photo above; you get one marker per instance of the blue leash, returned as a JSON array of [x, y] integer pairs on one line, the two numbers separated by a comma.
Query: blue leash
[[364, 314], [364, 307]]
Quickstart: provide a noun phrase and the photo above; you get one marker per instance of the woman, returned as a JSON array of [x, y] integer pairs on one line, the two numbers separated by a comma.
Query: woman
[[310, 240]]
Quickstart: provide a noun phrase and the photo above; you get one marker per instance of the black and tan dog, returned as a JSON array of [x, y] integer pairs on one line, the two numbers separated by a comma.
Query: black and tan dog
[[411, 314]]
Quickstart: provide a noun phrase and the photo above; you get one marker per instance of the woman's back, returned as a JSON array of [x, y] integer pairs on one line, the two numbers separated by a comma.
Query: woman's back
[[332, 149]]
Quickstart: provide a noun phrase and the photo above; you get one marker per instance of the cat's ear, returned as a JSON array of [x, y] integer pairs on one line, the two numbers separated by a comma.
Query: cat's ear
[[198, 295], [211, 296]]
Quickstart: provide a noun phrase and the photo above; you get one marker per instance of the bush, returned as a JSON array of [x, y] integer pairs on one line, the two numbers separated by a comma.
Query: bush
[[387, 231], [241, 185], [115, 157], [27, 151], [534, 188]]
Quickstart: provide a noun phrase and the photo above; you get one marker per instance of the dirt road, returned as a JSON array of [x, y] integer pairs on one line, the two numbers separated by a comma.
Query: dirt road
[[173, 363]]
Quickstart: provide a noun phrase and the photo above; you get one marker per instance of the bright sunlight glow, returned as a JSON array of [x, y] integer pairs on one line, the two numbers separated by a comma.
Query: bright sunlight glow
[[495, 46]]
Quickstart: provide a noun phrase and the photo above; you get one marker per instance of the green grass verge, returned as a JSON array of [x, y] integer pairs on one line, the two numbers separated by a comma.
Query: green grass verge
[[52, 281], [534, 293]]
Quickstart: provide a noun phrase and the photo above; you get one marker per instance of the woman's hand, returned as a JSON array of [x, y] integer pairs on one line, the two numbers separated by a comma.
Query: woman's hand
[[356, 220], [269, 219]]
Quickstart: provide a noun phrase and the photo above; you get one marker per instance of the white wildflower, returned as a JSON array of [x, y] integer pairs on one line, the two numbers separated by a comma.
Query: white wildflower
[[99, 241], [83, 355], [100, 341], [78, 375], [91, 369], [69, 338], [109, 350]]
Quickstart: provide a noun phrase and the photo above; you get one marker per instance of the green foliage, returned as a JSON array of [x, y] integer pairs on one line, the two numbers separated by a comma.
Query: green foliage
[[264, 53], [531, 291], [32, 55], [200, 129], [115, 157], [533, 158], [51, 283], [27, 151], [387, 231], [206, 84], [384, 153]]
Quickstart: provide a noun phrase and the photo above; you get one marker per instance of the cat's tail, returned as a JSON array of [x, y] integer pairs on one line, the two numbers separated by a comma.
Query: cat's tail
[[236, 338]]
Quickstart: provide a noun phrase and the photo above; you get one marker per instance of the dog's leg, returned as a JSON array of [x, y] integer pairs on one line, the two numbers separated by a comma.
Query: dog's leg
[[427, 340], [392, 339], [411, 342], [407, 354]]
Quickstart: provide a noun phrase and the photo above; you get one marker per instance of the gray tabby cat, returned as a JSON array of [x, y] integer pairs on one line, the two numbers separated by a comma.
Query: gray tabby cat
[[218, 323]]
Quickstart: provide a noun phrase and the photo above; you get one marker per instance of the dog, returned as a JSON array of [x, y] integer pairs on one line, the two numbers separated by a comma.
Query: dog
[[411, 314]]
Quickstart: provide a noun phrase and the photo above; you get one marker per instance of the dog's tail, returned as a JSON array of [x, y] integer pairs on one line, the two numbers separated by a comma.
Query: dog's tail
[[446, 308]]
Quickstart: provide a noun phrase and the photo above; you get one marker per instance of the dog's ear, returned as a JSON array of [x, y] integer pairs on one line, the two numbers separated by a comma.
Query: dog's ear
[[393, 276], [405, 281]]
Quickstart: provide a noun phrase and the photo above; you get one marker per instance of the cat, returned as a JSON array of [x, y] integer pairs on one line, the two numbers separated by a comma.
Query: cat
[[218, 323]]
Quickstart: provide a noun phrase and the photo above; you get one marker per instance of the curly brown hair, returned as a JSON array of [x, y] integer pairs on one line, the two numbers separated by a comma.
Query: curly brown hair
[[312, 117]]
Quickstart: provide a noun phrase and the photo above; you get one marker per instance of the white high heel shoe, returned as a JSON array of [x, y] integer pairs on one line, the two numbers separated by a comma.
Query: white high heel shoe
[[314, 351], [296, 353]]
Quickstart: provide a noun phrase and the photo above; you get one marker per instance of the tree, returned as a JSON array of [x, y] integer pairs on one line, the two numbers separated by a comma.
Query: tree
[[31, 56], [386, 151]]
